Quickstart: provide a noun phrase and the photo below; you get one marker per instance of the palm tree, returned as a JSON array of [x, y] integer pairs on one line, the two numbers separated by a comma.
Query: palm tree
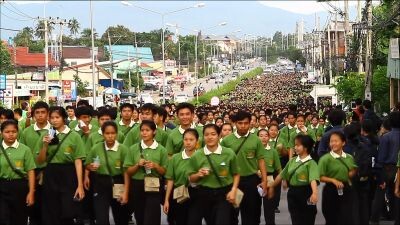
[[87, 33], [39, 29], [74, 26], [24, 37]]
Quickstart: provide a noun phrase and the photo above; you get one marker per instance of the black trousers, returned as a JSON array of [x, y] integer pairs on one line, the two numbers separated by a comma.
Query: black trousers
[[300, 211], [337, 209], [271, 204], [59, 186], [146, 205], [103, 200], [210, 204], [13, 209], [178, 212], [361, 202], [389, 173], [35, 212], [250, 208]]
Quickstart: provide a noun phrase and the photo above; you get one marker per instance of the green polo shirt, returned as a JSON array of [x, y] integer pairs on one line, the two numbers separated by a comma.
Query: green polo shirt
[[333, 168], [398, 159], [284, 136], [71, 148], [133, 136], [272, 161], [177, 169], [306, 173], [251, 151], [318, 132], [94, 122], [225, 164], [95, 138], [21, 158], [295, 133], [158, 155], [21, 125], [175, 140], [115, 159], [83, 136], [30, 137], [125, 129]]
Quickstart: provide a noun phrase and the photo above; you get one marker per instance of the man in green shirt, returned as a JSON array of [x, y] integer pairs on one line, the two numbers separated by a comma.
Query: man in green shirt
[[185, 112], [126, 123], [20, 119], [71, 114], [284, 138], [84, 127], [159, 119], [30, 137], [250, 158], [147, 111]]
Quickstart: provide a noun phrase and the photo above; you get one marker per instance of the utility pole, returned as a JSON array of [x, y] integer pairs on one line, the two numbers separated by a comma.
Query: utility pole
[[360, 64], [328, 80], [266, 53], [129, 73], [111, 64], [93, 64], [46, 61], [336, 44], [368, 57], [137, 67]]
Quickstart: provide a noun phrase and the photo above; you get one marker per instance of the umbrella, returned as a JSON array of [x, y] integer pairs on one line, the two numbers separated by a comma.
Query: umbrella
[[112, 91]]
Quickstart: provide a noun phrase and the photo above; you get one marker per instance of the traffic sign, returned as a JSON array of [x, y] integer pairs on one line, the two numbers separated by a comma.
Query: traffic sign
[[214, 101], [3, 82]]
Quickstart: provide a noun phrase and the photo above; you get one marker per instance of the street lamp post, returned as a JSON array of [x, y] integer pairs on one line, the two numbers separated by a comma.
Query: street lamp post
[[199, 5]]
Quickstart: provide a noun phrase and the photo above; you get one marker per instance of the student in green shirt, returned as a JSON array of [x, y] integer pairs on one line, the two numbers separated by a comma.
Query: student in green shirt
[[273, 166], [105, 161], [176, 176], [316, 128], [71, 114], [253, 124], [215, 170], [263, 122], [94, 138], [185, 112], [30, 137], [17, 193], [250, 159], [336, 170], [84, 126], [146, 160], [21, 121], [62, 155], [148, 111], [226, 130], [160, 118], [284, 138], [302, 177], [126, 123], [300, 129], [135, 115]]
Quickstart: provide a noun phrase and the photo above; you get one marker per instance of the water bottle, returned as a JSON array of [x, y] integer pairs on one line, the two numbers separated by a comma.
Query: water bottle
[[148, 171], [340, 191], [96, 161]]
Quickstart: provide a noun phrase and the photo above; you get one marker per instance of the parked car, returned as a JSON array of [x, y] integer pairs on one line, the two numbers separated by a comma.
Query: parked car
[[168, 90], [213, 76], [181, 97], [150, 87]]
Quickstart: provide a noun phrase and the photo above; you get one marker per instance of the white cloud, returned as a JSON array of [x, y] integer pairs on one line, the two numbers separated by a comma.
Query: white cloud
[[306, 7]]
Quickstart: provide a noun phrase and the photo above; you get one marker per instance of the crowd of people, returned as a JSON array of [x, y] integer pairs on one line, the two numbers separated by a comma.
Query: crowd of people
[[271, 91], [71, 166]]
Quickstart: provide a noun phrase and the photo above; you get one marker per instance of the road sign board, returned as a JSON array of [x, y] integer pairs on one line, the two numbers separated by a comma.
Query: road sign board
[[3, 82]]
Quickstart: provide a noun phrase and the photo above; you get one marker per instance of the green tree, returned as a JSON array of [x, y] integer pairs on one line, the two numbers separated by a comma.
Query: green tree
[[39, 29], [5, 59], [120, 33], [24, 37], [74, 26], [81, 86]]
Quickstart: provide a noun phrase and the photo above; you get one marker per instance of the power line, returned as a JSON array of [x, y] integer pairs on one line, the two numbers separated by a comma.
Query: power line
[[18, 13], [12, 18], [2, 28], [12, 5]]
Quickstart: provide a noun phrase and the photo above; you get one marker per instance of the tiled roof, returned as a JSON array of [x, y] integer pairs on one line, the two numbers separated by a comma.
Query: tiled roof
[[26, 59], [80, 52]]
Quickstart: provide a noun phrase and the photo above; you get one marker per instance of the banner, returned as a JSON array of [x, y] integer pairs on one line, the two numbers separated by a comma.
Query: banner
[[67, 89]]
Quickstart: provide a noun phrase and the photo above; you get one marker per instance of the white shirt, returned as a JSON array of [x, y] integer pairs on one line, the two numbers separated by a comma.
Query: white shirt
[[47, 127], [130, 125], [181, 130], [184, 155], [100, 132], [290, 127], [303, 160], [253, 130], [152, 146], [65, 131], [218, 151], [336, 156], [113, 148], [14, 145], [298, 130], [69, 119], [238, 136], [316, 127], [267, 147]]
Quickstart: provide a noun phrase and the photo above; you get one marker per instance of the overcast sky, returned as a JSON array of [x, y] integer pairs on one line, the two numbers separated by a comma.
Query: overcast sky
[[260, 18]]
